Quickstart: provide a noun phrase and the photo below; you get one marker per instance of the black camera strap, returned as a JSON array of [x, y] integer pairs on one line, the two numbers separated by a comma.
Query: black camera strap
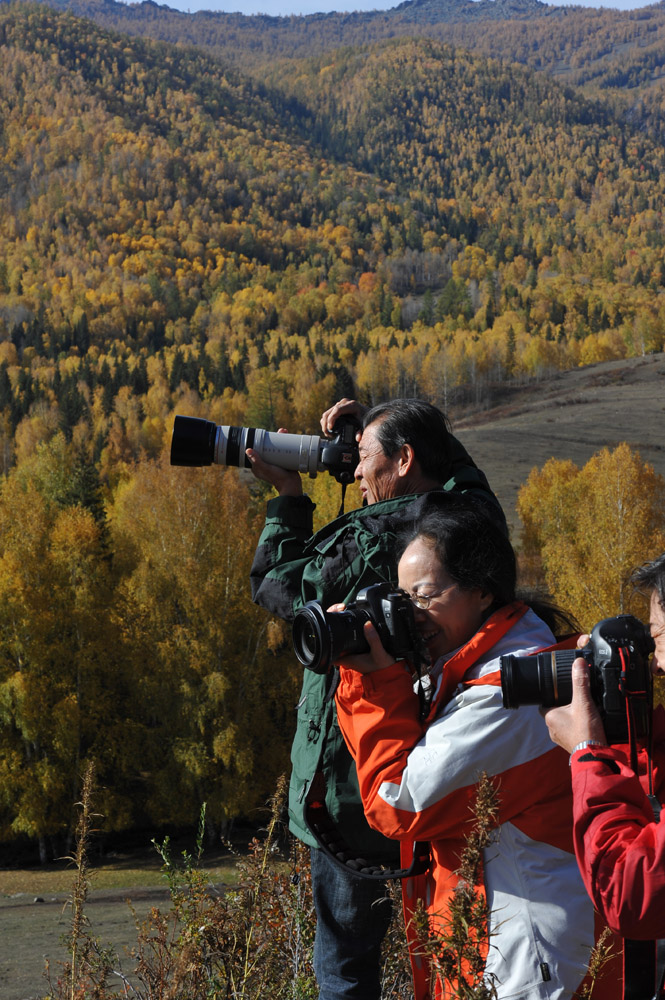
[[341, 504], [639, 970], [638, 954], [631, 698], [332, 843]]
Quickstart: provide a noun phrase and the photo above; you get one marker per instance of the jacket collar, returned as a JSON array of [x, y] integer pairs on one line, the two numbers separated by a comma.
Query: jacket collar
[[487, 636]]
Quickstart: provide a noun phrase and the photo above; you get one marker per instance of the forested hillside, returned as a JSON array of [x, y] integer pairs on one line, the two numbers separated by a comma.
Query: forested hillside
[[597, 47], [464, 220], [400, 217], [618, 53]]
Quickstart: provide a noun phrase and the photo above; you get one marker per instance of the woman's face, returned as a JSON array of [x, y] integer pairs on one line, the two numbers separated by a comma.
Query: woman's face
[[454, 615]]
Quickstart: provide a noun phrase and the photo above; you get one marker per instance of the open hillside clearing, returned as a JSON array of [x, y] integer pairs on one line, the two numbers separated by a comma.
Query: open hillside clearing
[[571, 415]]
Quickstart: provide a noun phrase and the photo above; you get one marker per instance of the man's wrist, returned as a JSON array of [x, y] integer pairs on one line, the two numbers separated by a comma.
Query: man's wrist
[[289, 490]]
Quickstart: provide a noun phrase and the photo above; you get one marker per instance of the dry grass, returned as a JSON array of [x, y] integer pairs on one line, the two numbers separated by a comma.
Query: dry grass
[[136, 869]]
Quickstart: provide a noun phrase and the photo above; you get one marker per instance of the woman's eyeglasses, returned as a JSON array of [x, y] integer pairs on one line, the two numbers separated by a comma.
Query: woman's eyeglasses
[[423, 601]]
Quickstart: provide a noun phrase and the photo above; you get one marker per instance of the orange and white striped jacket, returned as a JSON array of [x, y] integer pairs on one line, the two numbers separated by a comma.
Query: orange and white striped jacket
[[418, 779]]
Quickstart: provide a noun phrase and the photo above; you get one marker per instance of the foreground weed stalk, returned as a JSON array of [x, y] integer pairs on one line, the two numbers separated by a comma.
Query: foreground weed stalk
[[243, 943], [85, 975], [601, 954], [456, 947], [396, 977], [82, 879]]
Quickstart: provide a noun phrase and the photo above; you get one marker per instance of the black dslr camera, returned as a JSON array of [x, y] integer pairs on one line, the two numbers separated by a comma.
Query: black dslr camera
[[323, 637], [618, 656], [201, 442]]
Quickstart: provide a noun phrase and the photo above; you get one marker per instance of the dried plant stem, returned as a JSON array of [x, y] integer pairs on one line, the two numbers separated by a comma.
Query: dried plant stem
[[456, 947], [601, 954], [82, 880], [275, 809]]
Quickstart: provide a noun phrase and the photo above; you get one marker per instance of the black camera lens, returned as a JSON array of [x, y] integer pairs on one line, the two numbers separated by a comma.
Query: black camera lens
[[322, 637], [620, 680], [543, 679], [311, 639], [193, 441]]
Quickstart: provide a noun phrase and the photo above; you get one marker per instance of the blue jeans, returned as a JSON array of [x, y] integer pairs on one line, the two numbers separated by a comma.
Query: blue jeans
[[352, 918]]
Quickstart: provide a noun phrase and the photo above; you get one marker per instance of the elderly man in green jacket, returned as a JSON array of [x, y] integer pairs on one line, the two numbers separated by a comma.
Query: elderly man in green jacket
[[408, 460]]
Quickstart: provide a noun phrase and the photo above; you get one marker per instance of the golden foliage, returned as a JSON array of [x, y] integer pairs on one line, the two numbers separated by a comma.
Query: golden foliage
[[592, 527]]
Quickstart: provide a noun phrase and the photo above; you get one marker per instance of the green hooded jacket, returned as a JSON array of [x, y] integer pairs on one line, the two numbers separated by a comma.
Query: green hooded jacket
[[293, 566]]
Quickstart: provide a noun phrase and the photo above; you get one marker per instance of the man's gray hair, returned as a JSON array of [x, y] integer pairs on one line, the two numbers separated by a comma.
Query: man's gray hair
[[651, 578], [419, 424]]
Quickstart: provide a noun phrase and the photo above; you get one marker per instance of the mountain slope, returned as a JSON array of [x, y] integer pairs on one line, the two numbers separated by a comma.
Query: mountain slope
[[127, 164], [483, 148], [571, 415], [403, 213], [591, 47], [105, 61]]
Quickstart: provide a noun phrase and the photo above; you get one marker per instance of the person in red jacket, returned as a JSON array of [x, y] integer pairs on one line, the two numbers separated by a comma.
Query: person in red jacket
[[418, 770], [619, 843]]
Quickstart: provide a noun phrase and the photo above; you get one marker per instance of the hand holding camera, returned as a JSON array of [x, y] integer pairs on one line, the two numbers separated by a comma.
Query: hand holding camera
[[580, 721], [285, 481], [344, 409], [377, 658], [321, 638]]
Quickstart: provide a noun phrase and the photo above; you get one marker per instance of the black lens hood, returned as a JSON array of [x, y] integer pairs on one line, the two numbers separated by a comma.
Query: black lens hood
[[193, 441], [311, 638]]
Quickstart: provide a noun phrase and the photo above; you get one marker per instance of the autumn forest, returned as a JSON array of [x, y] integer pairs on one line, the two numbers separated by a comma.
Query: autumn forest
[[248, 240]]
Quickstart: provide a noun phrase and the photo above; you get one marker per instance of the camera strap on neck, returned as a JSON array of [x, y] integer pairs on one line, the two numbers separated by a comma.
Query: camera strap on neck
[[633, 698], [341, 504]]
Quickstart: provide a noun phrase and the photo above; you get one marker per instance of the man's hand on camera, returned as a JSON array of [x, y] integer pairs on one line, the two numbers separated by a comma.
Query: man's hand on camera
[[344, 408], [286, 482], [376, 659], [580, 721]]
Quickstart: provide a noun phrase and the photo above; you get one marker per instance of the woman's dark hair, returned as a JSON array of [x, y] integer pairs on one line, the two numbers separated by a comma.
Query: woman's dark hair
[[414, 422], [475, 553], [479, 556], [651, 578]]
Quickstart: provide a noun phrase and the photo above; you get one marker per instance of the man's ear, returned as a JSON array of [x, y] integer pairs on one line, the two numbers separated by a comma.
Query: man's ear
[[407, 460]]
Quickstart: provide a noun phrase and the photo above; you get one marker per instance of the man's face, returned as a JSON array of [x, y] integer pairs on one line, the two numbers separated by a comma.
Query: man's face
[[657, 623], [376, 473]]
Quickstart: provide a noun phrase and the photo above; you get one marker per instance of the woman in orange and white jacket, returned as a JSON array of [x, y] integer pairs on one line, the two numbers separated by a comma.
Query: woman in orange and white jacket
[[418, 775]]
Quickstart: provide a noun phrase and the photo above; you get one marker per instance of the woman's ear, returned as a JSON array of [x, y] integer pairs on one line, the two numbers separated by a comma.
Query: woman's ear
[[486, 600]]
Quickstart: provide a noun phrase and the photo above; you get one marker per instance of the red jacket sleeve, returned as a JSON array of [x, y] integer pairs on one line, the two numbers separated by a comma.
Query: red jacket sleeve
[[620, 847]]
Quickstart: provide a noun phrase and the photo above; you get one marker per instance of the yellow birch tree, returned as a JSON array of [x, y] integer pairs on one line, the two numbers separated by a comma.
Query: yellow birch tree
[[591, 527]]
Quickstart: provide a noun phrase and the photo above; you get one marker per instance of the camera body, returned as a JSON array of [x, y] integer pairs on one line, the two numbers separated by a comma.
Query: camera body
[[198, 442], [339, 454], [322, 637], [620, 679]]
